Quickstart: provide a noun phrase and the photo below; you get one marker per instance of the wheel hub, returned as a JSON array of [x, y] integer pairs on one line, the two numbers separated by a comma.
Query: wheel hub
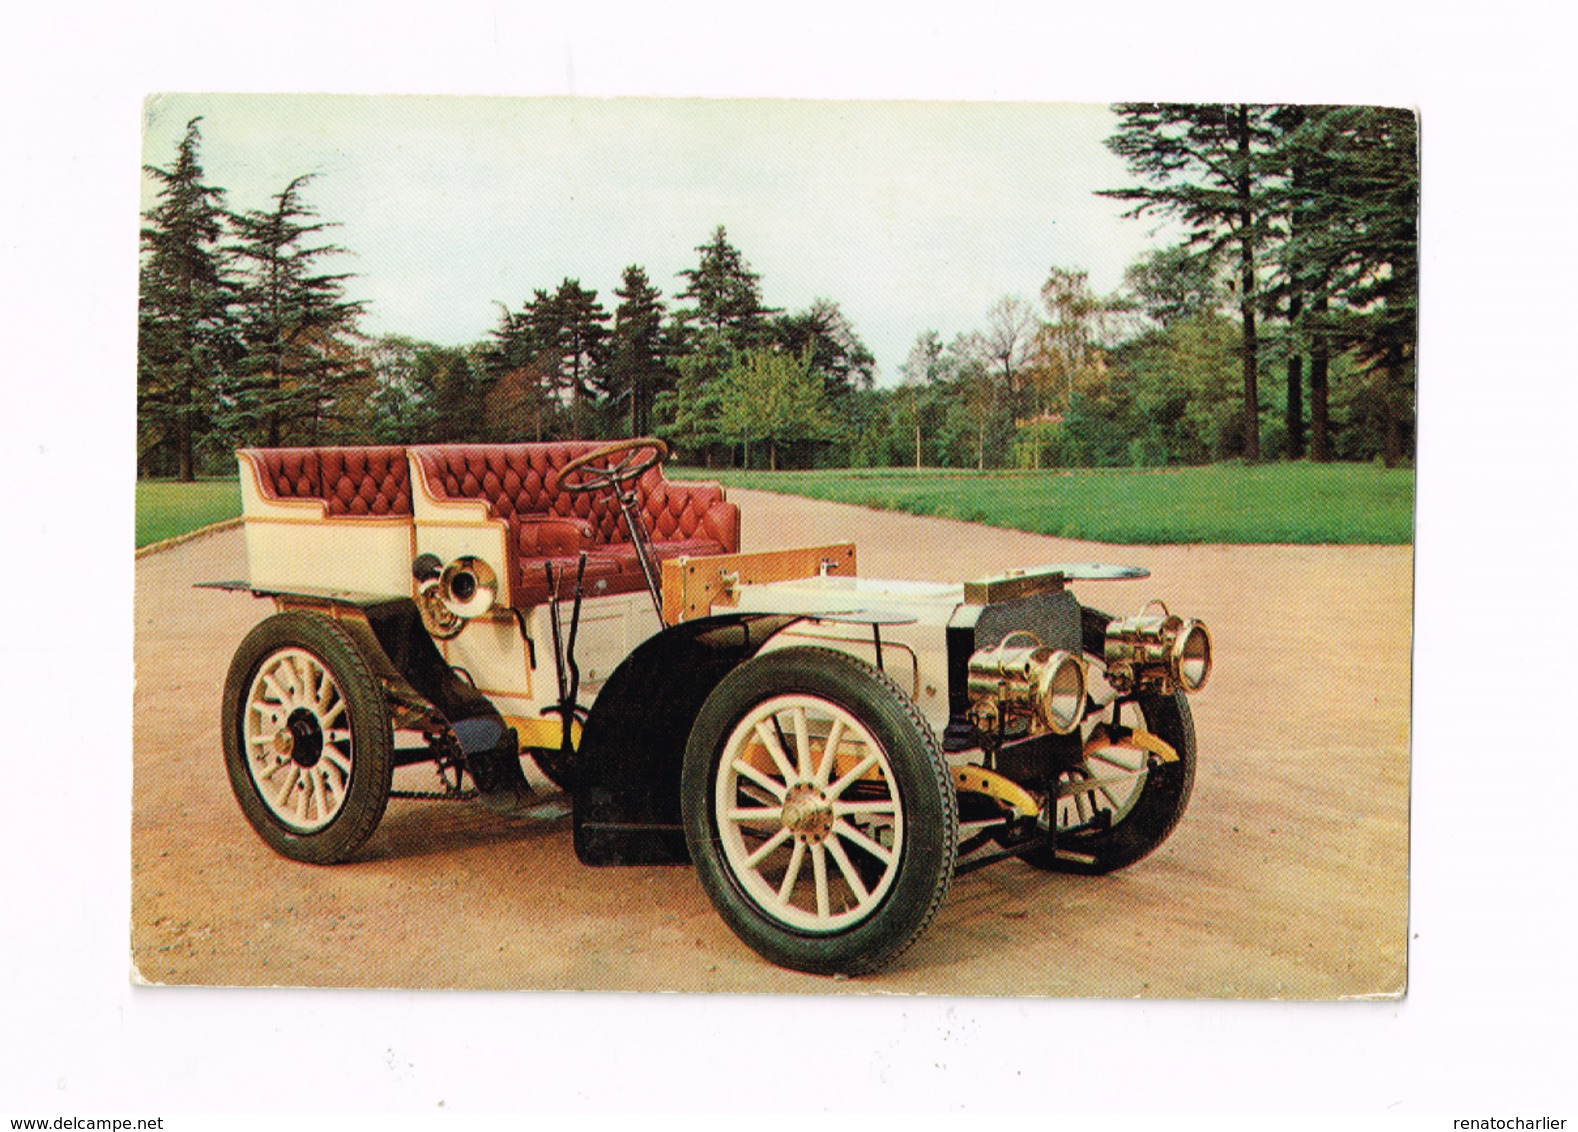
[[301, 738], [807, 813]]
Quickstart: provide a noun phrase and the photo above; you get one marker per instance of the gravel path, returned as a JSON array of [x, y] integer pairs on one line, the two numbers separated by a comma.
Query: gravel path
[[1286, 879]]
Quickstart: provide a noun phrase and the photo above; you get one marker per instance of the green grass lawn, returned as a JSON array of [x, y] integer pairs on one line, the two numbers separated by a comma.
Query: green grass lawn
[[1272, 503], [166, 508], [1298, 503]]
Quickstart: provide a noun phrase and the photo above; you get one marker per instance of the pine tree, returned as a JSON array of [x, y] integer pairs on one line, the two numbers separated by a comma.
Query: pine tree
[[551, 354], [1375, 176], [571, 326], [295, 324], [727, 295], [638, 350], [520, 402], [185, 334], [460, 394], [1172, 284], [1289, 296], [691, 413], [726, 319], [1206, 165], [1353, 253]]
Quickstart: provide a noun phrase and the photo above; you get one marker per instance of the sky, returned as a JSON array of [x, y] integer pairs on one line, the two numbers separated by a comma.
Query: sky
[[913, 216]]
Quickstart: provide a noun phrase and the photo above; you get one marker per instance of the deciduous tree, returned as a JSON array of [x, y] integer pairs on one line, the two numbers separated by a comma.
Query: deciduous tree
[[922, 372], [1010, 325], [1065, 350], [775, 397], [976, 400], [401, 408]]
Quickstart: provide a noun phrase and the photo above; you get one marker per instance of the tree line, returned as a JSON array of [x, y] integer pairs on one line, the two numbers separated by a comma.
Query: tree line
[[1299, 255]]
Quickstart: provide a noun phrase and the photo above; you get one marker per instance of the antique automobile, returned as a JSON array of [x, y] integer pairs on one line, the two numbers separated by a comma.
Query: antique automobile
[[830, 750]]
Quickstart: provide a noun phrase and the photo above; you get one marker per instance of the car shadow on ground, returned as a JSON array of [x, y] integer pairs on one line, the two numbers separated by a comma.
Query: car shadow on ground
[[420, 828]]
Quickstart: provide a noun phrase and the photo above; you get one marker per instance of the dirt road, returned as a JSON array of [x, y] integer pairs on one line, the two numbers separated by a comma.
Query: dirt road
[[1287, 877]]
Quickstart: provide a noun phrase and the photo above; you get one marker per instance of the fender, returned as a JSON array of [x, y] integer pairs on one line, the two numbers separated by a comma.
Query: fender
[[628, 765]]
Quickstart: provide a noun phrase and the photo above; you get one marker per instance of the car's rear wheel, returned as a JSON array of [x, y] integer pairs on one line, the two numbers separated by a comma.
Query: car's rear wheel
[[819, 811], [1121, 801], [308, 742]]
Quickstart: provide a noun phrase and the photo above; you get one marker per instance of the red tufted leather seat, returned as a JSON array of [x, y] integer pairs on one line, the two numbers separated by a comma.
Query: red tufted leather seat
[[352, 482], [520, 484]]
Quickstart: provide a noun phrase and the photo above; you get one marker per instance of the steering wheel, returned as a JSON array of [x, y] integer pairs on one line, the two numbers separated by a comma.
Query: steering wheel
[[636, 456]]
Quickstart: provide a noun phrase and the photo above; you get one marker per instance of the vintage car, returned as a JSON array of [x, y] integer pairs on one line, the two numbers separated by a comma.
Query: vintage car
[[829, 750]]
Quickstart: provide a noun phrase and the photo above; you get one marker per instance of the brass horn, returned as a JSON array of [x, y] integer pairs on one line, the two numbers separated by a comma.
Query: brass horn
[[468, 587]]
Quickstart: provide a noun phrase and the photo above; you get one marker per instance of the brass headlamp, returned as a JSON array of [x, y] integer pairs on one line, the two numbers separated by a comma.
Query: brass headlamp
[[1157, 651], [1028, 680]]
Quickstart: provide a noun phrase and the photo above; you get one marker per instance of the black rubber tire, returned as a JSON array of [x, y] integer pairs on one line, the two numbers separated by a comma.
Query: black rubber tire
[[1163, 798], [925, 794], [372, 736]]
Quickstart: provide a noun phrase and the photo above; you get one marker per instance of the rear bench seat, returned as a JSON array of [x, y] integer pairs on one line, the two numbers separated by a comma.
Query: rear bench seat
[[328, 518], [516, 487], [348, 481]]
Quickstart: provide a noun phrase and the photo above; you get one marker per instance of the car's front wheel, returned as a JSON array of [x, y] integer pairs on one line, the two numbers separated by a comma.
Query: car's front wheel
[[819, 811]]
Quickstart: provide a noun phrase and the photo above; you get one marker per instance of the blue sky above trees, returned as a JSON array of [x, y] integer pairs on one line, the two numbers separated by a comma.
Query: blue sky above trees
[[912, 216]]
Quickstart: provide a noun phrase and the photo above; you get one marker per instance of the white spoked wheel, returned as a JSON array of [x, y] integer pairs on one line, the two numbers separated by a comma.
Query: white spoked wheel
[[298, 739], [810, 817], [308, 742], [819, 811]]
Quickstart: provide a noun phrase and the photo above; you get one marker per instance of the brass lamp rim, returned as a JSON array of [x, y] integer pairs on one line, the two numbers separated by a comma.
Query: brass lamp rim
[[1187, 632], [1052, 667]]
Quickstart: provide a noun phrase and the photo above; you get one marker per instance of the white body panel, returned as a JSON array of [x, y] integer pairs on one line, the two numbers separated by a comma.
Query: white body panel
[[915, 655], [294, 544], [611, 628], [499, 660], [452, 529]]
